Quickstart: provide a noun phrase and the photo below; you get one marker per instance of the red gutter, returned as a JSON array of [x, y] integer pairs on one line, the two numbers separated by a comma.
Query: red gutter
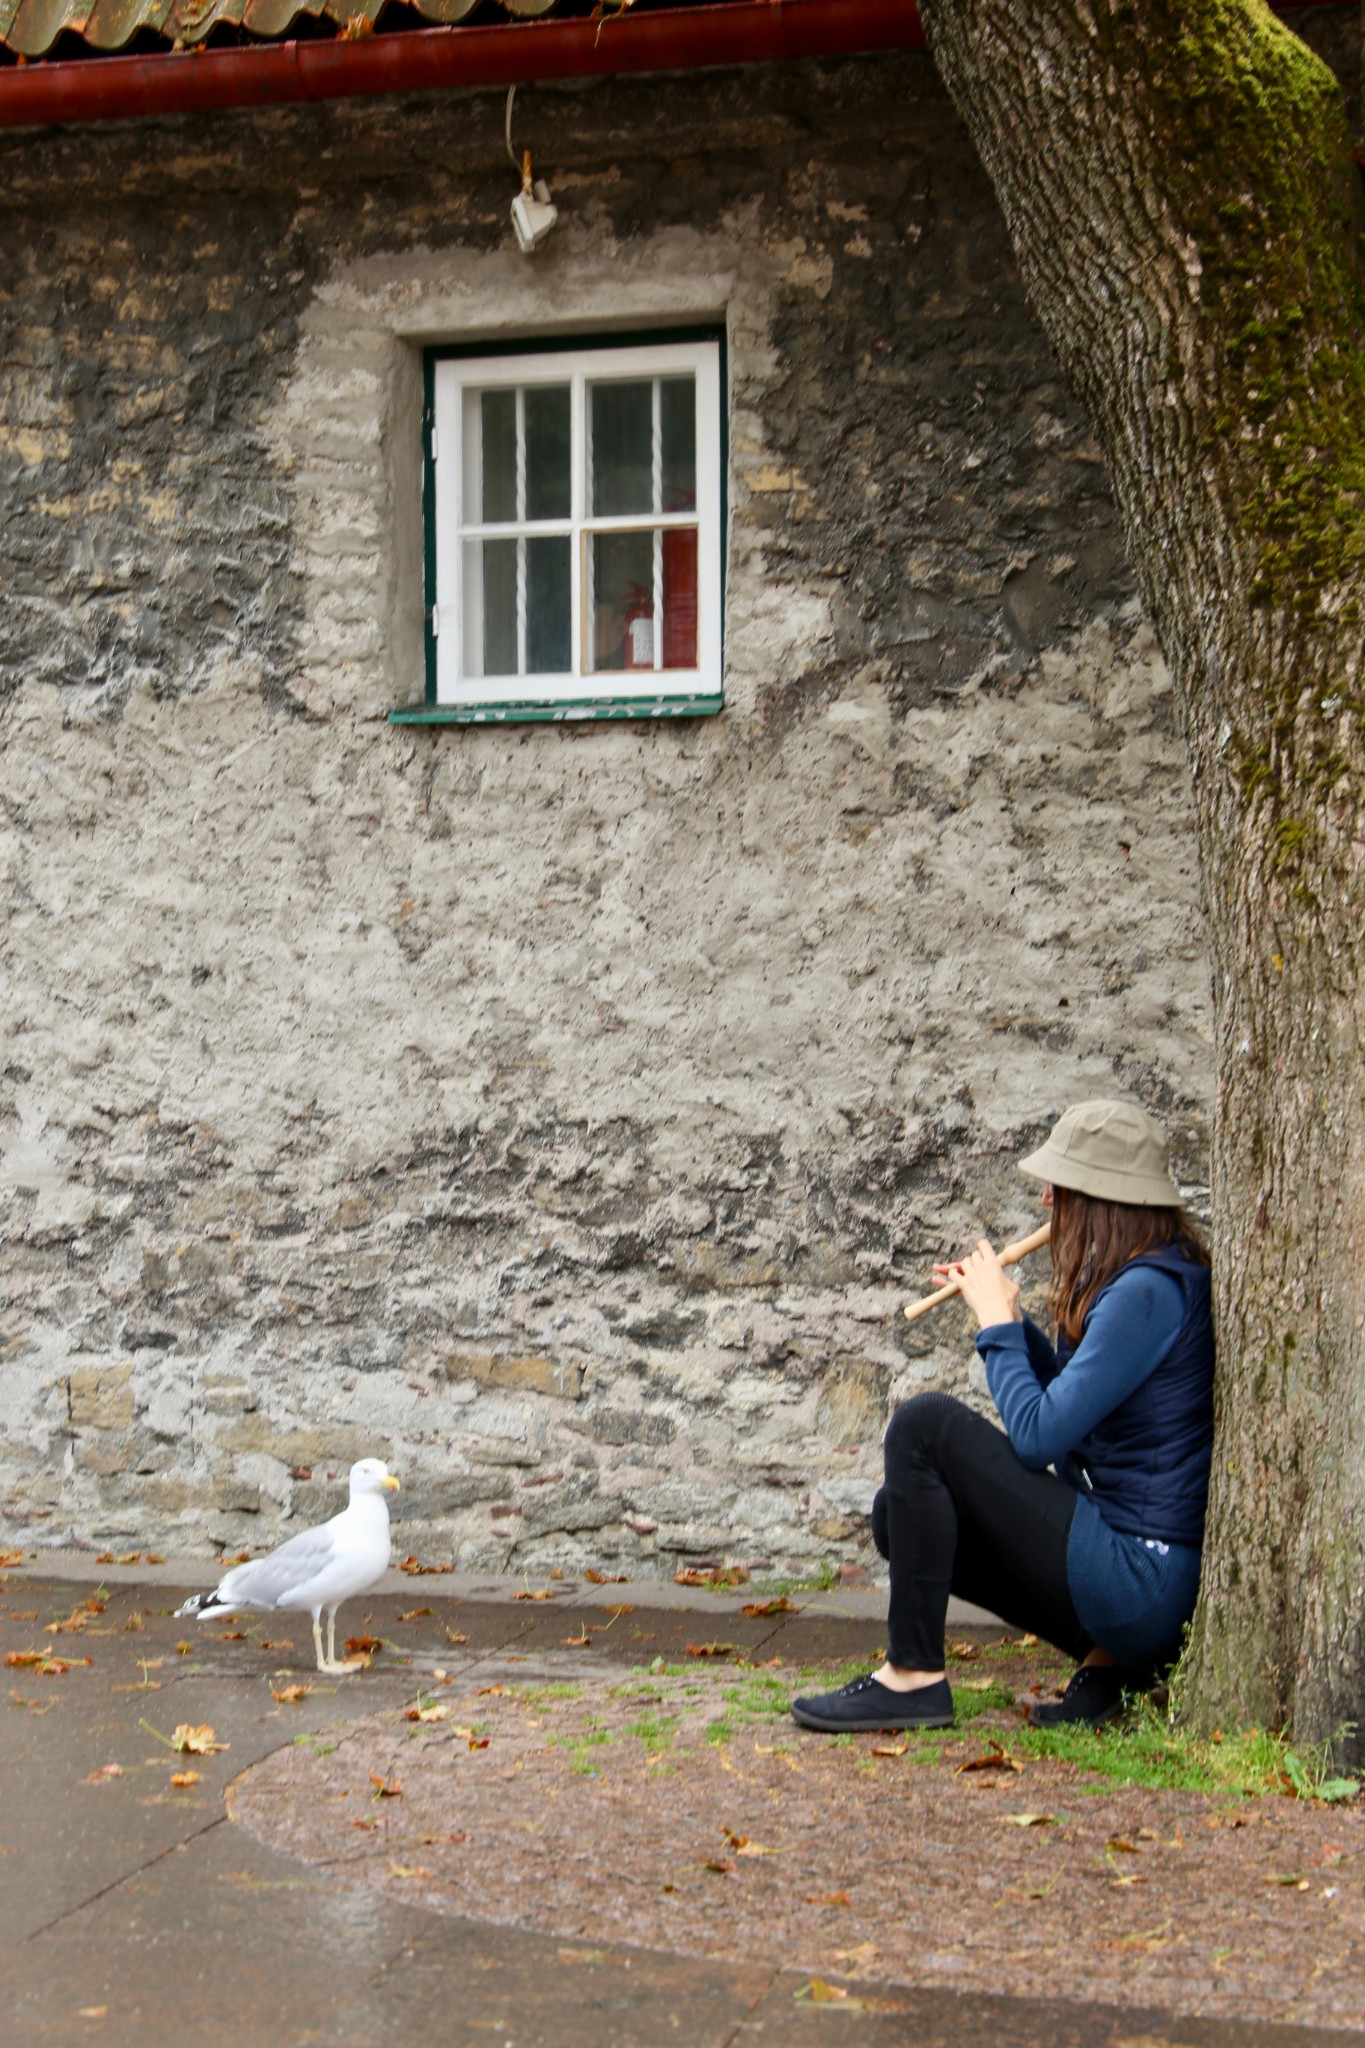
[[446, 59]]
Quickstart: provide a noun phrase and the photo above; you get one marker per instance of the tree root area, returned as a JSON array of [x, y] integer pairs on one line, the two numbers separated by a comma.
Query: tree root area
[[685, 1811]]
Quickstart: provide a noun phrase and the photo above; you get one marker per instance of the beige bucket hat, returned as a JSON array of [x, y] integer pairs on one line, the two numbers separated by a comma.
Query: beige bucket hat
[[1111, 1150]]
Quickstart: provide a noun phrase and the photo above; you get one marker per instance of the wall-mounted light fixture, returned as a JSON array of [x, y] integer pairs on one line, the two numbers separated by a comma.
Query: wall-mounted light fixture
[[533, 211]]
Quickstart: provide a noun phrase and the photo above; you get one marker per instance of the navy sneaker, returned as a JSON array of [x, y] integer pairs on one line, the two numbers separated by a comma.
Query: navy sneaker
[[867, 1704], [1095, 1694]]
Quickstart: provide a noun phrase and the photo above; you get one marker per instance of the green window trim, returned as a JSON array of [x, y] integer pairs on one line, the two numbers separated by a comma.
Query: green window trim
[[701, 704], [558, 714]]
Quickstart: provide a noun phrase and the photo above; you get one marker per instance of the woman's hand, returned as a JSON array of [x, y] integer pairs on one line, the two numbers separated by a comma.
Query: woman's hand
[[982, 1281]]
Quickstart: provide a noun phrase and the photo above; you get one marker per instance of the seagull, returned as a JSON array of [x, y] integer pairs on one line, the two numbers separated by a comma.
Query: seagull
[[317, 1568]]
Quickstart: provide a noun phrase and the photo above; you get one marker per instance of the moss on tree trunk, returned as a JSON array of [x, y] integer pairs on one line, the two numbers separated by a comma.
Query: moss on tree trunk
[[1178, 182]]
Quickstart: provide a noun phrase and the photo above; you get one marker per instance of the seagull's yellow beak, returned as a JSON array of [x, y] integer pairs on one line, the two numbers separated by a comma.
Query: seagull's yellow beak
[[389, 1483]]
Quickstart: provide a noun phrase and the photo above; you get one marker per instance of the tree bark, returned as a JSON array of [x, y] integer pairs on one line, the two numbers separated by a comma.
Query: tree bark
[[1178, 184]]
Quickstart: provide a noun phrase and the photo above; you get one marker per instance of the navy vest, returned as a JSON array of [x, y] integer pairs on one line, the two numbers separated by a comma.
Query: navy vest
[[1146, 1466]]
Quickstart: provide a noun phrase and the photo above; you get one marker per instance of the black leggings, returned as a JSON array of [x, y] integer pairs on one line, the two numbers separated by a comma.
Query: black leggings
[[960, 1514]]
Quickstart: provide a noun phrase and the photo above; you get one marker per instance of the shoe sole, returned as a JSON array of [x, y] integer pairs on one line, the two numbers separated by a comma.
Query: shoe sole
[[882, 1726]]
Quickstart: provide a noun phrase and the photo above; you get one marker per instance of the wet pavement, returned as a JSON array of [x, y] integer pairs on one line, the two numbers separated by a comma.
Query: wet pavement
[[136, 1912]]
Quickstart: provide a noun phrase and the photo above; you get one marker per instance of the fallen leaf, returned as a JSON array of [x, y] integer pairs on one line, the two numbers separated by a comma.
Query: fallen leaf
[[859, 1957], [454, 1636], [11, 1560], [415, 1569], [420, 1713], [385, 1788], [578, 1642], [721, 1576], [105, 1772], [756, 1609], [1121, 1845], [996, 1758], [825, 1899], [232, 1635], [721, 1867], [545, 1593], [155, 1557], [91, 2012], [408, 1870], [622, 1607], [43, 1661], [362, 1646], [1147, 1942], [192, 1740], [108, 1557], [413, 1613], [183, 1647], [290, 1693], [241, 1557], [1291, 1881], [963, 1651], [183, 1779], [607, 1578], [889, 1748], [134, 1623], [974, 1684], [283, 1643], [1028, 1820], [707, 1649], [478, 1741], [817, 1992]]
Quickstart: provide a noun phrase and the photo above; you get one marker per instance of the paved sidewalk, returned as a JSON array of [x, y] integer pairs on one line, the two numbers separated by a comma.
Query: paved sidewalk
[[137, 1913]]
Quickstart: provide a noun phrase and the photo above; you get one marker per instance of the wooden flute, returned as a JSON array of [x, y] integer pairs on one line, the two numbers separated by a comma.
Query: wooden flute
[[1010, 1255]]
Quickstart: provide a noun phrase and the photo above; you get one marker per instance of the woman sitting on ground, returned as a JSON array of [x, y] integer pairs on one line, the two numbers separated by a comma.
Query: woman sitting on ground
[[1100, 1556]]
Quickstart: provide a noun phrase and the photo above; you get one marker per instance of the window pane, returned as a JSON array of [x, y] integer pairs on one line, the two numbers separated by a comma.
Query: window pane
[[547, 452], [549, 630], [490, 607], [622, 448], [678, 419], [622, 634], [680, 597], [499, 483]]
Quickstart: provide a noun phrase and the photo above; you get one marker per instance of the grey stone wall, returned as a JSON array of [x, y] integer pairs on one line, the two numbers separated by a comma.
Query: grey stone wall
[[563, 1114]]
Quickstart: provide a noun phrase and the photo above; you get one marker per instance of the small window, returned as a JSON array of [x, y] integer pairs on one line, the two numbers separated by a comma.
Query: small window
[[575, 531]]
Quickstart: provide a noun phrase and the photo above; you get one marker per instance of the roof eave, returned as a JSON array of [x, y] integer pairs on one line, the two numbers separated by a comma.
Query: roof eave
[[451, 59]]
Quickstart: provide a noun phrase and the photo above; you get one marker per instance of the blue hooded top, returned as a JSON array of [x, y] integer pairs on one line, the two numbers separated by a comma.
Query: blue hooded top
[[1126, 1417]]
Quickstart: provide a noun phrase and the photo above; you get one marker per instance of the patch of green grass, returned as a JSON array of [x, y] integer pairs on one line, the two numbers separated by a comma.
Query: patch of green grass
[[1147, 1749], [828, 1678], [654, 1731], [721, 1730], [758, 1700], [970, 1706], [538, 1695]]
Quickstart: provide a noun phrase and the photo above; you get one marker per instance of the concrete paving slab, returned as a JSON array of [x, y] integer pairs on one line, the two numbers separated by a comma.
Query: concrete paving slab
[[554, 1994], [181, 1575]]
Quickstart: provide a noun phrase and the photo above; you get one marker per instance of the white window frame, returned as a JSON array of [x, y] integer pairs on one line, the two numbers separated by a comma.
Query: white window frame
[[582, 687]]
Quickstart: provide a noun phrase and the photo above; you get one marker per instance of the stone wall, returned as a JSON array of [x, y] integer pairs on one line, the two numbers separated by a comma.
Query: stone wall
[[561, 1113]]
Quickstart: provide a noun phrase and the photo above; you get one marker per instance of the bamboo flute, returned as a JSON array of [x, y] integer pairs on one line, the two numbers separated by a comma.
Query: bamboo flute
[[1010, 1255]]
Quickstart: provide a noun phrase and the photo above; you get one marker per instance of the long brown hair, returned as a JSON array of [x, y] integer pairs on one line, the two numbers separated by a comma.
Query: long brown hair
[[1092, 1239]]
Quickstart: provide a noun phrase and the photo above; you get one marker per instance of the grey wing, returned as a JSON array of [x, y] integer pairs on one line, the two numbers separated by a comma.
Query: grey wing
[[268, 1580]]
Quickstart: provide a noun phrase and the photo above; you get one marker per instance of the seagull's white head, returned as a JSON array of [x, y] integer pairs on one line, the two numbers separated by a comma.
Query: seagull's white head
[[372, 1475]]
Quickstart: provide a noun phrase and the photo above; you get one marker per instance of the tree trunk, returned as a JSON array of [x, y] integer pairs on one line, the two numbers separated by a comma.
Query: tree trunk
[[1178, 184]]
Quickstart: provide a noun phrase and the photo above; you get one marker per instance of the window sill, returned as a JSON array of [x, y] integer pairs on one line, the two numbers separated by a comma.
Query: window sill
[[541, 713]]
